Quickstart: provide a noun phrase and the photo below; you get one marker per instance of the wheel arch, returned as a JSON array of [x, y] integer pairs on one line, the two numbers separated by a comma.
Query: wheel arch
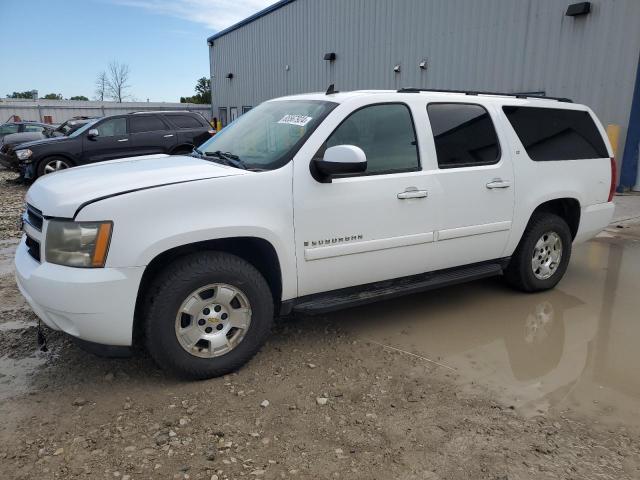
[[257, 251], [183, 146], [567, 208]]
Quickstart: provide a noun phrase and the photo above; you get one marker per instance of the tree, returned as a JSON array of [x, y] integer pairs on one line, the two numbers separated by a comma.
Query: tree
[[101, 86], [203, 92], [117, 81], [27, 94], [53, 96], [79, 97]]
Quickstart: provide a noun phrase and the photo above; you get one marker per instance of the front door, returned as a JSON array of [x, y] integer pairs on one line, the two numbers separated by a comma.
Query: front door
[[368, 227], [476, 179], [112, 141]]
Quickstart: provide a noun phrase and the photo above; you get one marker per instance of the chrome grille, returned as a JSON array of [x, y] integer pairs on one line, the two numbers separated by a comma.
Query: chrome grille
[[33, 217], [33, 247]]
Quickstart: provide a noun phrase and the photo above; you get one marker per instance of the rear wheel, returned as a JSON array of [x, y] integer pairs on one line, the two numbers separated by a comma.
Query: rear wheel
[[53, 164], [542, 256], [207, 314]]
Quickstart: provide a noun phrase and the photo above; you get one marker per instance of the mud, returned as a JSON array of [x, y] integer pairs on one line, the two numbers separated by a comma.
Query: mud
[[474, 381]]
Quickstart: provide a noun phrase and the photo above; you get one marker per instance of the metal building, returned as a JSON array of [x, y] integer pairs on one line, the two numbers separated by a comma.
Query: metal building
[[529, 46]]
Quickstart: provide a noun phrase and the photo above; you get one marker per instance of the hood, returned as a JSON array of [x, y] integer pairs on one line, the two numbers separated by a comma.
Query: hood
[[45, 140], [22, 137], [60, 194]]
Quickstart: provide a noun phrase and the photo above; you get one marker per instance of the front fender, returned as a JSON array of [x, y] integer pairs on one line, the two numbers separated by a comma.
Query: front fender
[[152, 221]]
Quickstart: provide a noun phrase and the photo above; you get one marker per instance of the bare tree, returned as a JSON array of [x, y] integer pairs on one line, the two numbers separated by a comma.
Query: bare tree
[[101, 86], [117, 81]]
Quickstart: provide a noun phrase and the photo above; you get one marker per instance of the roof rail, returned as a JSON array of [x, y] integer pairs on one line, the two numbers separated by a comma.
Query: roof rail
[[158, 111], [480, 92]]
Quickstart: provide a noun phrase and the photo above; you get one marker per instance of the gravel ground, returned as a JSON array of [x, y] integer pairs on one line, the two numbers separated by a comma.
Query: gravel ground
[[315, 403], [11, 204]]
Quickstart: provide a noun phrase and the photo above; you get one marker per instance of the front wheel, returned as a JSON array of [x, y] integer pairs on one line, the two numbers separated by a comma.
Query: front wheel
[[207, 314], [53, 164], [542, 256]]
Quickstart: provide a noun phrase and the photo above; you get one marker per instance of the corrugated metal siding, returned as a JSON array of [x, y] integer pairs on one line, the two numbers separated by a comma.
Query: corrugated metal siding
[[500, 45], [62, 110]]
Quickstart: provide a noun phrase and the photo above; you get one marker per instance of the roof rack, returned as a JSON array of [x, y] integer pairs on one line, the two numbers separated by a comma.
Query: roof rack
[[480, 92]]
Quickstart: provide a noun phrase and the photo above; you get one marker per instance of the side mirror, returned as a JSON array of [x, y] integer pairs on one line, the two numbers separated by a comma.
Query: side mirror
[[341, 159], [93, 133]]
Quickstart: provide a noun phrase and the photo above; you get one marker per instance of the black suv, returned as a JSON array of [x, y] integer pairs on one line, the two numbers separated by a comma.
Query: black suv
[[117, 136]]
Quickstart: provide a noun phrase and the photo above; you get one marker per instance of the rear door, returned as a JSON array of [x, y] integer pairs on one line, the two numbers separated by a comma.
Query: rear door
[[476, 178], [112, 141], [192, 129], [150, 134]]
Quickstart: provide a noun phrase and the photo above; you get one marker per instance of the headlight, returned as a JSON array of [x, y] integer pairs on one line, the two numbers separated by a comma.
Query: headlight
[[24, 154], [78, 244]]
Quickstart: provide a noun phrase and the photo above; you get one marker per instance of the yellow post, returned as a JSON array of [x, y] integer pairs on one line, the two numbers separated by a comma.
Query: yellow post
[[613, 132]]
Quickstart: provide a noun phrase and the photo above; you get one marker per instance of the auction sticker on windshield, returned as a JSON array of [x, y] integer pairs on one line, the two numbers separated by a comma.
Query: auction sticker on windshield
[[298, 120]]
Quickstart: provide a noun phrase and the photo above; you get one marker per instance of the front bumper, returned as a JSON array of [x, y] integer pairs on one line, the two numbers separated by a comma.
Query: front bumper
[[92, 304], [9, 162]]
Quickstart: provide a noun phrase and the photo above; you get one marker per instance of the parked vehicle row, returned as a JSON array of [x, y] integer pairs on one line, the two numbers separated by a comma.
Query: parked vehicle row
[[84, 141], [307, 203]]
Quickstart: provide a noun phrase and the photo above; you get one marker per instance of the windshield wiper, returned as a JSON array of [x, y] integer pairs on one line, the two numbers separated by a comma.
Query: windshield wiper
[[228, 158]]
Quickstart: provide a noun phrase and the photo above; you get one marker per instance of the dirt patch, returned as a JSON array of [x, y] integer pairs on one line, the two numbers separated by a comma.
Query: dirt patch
[[336, 407], [11, 204]]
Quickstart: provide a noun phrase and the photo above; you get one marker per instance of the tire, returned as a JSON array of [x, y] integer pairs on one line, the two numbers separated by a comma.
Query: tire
[[521, 272], [53, 164], [171, 293]]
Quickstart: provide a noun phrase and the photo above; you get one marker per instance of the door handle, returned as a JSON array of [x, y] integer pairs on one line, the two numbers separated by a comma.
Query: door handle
[[498, 183], [168, 136], [412, 192], [123, 140]]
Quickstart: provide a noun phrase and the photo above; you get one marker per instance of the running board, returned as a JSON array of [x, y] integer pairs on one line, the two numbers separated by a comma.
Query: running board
[[373, 292]]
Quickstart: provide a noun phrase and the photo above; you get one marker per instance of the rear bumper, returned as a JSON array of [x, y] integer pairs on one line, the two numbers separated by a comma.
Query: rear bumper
[[92, 304], [594, 219]]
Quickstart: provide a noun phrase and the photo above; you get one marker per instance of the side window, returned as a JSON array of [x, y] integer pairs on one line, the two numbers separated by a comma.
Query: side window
[[9, 128], [464, 135], [185, 121], [146, 123], [113, 127], [33, 128], [386, 135], [556, 134]]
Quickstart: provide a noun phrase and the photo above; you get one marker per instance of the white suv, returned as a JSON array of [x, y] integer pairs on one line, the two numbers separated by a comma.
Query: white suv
[[312, 203]]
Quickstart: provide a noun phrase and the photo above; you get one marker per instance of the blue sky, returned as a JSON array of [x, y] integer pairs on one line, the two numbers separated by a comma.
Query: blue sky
[[60, 46]]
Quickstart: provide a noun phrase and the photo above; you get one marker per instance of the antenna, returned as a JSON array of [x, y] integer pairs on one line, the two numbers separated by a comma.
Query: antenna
[[331, 90]]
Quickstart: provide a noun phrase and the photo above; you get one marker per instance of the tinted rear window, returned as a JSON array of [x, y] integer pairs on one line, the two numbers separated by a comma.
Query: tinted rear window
[[556, 134], [464, 135], [145, 123], [185, 121]]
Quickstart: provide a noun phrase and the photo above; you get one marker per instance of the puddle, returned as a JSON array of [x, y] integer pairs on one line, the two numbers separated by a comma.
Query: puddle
[[571, 349], [7, 251]]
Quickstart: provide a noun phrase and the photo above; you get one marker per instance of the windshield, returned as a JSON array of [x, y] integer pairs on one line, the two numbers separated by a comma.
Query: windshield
[[268, 136], [84, 128]]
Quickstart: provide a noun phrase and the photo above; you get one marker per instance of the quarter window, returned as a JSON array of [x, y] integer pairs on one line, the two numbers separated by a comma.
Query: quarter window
[[113, 127], [146, 123], [464, 135], [556, 134], [386, 135]]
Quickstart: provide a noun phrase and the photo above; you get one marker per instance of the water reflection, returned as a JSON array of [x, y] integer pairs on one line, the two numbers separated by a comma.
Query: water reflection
[[574, 348]]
